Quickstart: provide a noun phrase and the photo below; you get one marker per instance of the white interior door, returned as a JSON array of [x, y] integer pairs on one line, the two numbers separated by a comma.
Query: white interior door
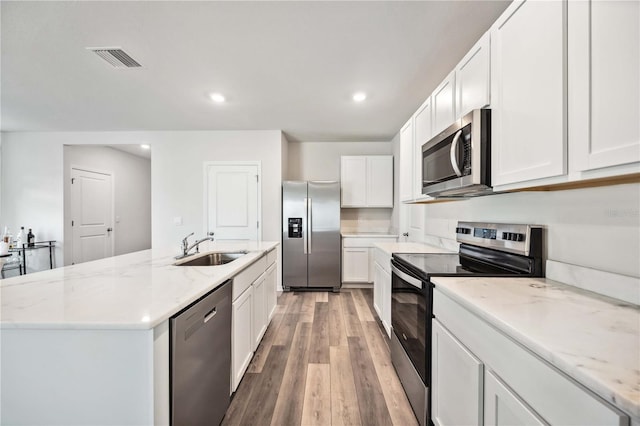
[[233, 201], [91, 215]]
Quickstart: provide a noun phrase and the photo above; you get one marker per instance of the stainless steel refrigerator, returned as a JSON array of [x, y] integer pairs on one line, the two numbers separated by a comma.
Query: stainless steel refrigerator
[[310, 235]]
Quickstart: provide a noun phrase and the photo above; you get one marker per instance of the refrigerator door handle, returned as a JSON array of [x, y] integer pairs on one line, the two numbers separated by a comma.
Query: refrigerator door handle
[[305, 228], [309, 224]]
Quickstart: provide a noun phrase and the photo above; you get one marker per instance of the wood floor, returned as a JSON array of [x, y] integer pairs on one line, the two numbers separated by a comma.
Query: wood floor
[[324, 360]]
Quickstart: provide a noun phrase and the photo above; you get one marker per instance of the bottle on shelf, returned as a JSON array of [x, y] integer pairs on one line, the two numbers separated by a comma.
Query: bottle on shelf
[[31, 239], [6, 235], [21, 238]]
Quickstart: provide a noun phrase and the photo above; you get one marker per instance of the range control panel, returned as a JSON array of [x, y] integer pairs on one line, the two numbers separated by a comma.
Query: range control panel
[[515, 238]]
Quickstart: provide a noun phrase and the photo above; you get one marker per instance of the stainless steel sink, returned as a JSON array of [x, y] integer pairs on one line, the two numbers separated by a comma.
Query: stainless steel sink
[[212, 259]]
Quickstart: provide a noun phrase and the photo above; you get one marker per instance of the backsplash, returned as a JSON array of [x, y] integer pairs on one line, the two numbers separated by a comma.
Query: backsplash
[[366, 220]]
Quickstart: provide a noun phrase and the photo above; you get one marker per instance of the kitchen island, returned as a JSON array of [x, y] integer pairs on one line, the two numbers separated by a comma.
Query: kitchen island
[[88, 343]]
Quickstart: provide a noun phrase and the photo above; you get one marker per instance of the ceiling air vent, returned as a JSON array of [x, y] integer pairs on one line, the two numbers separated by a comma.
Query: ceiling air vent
[[115, 56]]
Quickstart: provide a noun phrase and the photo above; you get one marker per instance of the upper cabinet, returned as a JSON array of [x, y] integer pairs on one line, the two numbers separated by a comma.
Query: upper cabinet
[[472, 78], [422, 121], [366, 181], [604, 83], [443, 98], [529, 138], [406, 172]]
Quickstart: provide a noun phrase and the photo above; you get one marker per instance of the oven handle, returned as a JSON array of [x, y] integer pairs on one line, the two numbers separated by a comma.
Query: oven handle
[[406, 277], [452, 153]]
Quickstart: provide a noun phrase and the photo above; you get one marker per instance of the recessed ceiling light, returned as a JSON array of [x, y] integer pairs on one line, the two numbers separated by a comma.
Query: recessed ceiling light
[[217, 97], [359, 97], [145, 146]]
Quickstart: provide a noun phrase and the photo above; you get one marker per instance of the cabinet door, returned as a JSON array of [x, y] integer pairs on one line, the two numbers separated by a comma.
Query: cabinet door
[[259, 310], [503, 408], [386, 301], [242, 338], [422, 132], [355, 265], [604, 82], [443, 98], [271, 290], [528, 92], [456, 381], [473, 78], [353, 181], [378, 283], [406, 162], [380, 181]]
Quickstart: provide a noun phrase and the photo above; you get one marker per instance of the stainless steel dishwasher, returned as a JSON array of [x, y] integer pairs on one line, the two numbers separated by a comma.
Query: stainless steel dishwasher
[[200, 360]]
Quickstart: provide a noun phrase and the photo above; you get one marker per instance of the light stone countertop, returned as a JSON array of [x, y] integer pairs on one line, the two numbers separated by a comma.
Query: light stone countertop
[[132, 291], [593, 339], [364, 234], [410, 247]]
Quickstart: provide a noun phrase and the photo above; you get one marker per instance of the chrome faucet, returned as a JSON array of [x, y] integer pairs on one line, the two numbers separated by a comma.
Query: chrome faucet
[[186, 248]]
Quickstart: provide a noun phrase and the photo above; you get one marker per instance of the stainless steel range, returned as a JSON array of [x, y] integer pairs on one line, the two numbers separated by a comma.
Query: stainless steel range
[[486, 249]]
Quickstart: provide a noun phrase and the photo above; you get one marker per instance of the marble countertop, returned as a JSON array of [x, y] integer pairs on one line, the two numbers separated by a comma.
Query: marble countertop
[[410, 247], [132, 291], [365, 234], [592, 338]]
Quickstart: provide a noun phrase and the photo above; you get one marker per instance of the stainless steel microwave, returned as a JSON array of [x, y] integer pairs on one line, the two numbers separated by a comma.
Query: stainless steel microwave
[[457, 162]]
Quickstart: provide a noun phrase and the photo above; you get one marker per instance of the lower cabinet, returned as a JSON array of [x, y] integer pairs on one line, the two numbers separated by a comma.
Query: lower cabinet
[[255, 298], [382, 295], [456, 381], [355, 265], [260, 317], [502, 407], [241, 336], [271, 288], [481, 376]]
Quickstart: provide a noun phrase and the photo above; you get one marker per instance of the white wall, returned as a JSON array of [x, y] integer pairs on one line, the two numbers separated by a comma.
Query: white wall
[[321, 160], [132, 194], [32, 177]]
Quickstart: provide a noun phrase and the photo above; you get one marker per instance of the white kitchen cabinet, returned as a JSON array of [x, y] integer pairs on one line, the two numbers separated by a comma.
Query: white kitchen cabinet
[[604, 83], [260, 315], [355, 264], [457, 381], [271, 284], [443, 98], [366, 181], [422, 122], [353, 181], [358, 257], [529, 138], [380, 181], [382, 288], [241, 336], [526, 376], [406, 162], [502, 407], [473, 78]]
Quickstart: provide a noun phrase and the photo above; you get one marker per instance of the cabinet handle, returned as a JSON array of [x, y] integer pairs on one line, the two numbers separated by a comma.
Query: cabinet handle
[[452, 153]]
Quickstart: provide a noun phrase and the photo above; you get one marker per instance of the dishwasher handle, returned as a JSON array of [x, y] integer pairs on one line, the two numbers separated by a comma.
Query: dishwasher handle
[[212, 313]]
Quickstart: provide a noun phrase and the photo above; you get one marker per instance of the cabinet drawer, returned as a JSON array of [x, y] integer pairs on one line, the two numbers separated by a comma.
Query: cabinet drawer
[[366, 241], [272, 256], [525, 373], [243, 280]]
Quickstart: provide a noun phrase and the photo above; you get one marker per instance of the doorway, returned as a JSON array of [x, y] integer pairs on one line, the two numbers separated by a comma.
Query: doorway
[[92, 215], [88, 217], [233, 200]]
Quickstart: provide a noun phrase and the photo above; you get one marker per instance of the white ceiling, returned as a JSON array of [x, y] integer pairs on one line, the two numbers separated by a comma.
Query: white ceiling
[[281, 65]]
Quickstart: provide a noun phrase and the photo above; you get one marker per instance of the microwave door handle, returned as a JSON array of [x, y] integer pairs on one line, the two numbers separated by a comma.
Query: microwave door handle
[[452, 153]]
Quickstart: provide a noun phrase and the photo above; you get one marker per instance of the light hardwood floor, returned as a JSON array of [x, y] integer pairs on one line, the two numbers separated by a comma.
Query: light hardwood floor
[[324, 360]]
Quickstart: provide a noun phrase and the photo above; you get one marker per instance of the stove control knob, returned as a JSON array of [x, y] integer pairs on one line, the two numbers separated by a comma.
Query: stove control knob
[[519, 237], [505, 235]]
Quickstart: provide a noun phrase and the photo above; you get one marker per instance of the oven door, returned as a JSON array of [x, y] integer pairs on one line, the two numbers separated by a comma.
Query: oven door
[[410, 317]]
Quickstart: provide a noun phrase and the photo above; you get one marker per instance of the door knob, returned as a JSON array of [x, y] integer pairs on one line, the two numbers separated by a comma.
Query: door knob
[[109, 229]]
